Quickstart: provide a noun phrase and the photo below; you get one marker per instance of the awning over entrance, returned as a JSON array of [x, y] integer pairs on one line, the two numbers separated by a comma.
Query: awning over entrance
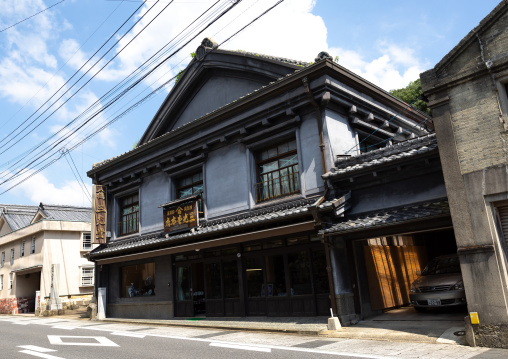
[[27, 270]]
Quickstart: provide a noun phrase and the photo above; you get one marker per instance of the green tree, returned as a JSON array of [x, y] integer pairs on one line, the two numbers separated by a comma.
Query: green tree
[[410, 93]]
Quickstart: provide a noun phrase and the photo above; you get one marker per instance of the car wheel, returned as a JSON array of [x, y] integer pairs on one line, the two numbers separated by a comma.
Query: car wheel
[[421, 309]]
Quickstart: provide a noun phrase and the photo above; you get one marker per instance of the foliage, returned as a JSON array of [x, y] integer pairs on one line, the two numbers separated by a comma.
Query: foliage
[[193, 54], [180, 73], [410, 94], [135, 145], [336, 59]]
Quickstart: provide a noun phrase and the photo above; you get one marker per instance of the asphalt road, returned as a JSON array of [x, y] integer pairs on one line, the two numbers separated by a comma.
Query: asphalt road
[[27, 338]]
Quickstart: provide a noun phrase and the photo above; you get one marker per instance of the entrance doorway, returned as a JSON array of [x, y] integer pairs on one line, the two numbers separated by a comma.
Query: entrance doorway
[[190, 290]]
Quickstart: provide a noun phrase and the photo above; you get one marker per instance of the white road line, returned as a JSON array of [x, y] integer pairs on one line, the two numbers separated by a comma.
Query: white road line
[[26, 322], [242, 347], [36, 348], [66, 327], [40, 355], [127, 334], [100, 341]]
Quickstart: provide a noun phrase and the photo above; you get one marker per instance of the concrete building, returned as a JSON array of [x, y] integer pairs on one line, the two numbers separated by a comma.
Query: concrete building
[[467, 93], [218, 211], [38, 243]]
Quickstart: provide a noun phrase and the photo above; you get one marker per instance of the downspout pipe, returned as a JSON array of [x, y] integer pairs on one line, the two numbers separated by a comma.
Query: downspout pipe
[[319, 118]]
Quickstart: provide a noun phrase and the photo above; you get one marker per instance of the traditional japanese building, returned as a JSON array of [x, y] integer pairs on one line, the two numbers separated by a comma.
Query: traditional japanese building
[[228, 205]]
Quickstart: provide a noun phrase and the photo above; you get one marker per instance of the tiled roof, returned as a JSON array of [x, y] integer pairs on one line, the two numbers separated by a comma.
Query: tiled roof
[[391, 216], [398, 151], [268, 215], [19, 216], [67, 213]]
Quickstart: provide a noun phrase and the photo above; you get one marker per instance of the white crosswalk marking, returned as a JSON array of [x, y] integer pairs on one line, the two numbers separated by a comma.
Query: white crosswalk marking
[[127, 334], [242, 347], [40, 355], [36, 348], [97, 341], [66, 327]]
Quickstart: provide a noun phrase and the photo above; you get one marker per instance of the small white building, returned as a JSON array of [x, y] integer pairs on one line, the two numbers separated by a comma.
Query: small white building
[[32, 240]]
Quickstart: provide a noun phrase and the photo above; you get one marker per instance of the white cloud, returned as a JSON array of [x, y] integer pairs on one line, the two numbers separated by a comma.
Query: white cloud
[[394, 68], [39, 189]]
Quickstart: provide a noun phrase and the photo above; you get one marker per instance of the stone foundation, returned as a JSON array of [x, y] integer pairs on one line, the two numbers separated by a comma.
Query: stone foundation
[[68, 303]]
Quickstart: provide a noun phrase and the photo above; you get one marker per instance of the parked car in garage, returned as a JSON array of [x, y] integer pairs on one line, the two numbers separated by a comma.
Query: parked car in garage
[[439, 285]]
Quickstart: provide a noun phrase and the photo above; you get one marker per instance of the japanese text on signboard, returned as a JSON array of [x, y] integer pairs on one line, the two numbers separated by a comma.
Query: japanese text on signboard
[[180, 217]]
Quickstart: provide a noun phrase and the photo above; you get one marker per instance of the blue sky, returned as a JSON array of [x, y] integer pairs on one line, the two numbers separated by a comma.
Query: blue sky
[[387, 42]]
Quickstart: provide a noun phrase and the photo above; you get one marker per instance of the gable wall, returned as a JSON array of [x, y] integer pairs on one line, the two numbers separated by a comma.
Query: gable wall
[[215, 93]]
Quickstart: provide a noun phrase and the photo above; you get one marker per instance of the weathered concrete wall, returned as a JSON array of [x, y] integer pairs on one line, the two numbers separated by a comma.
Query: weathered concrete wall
[[215, 93], [468, 116]]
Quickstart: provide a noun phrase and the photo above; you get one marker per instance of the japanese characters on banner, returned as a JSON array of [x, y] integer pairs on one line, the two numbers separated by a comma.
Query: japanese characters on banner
[[99, 215], [182, 216]]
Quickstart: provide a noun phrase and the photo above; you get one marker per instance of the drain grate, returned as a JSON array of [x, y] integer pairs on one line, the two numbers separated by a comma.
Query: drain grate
[[460, 333]]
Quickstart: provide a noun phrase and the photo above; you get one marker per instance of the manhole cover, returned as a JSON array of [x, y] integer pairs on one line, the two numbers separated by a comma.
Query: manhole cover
[[460, 333]]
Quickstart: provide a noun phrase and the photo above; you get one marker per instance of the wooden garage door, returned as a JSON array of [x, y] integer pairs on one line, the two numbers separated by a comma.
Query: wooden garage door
[[392, 263]]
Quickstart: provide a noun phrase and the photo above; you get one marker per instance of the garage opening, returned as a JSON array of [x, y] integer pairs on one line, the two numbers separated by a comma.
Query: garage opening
[[392, 263]]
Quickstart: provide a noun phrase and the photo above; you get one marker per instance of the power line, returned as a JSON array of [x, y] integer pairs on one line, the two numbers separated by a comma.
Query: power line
[[81, 183], [55, 144], [379, 127], [131, 107], [61, 67], [73, 84], [19, 22]]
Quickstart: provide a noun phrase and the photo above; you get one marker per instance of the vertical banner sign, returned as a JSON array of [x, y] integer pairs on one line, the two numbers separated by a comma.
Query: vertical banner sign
[[99, 215]]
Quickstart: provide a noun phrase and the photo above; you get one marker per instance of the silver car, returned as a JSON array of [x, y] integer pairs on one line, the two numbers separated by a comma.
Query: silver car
[[439, 285]]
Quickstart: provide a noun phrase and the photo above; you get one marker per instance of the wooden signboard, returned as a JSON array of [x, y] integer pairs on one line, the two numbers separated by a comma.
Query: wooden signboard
[[99, 215], [181, 216]]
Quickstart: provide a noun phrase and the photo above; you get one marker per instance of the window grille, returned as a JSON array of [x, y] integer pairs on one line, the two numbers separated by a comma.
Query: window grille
[[278, 173], [1, 281], [12, 256], [129, 213], [32, 246], [87, 241], [22, 249], [87, 276], [10, 280], [189, 186], [3, 259]]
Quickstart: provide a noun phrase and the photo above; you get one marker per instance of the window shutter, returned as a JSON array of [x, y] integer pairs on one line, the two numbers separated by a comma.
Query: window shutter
[[503, 219]]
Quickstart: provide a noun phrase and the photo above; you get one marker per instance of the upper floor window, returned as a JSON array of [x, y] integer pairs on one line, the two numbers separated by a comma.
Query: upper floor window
[[87, 276], [1, 281], [367, 144], [10, 280], [12, 256], [22, 248], [32, 246], [86, 241], [277, 169], [189, 186], [3, 259], [129, 215]]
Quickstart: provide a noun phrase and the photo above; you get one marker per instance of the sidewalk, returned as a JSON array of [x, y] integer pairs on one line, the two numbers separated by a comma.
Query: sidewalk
[[403, 325]]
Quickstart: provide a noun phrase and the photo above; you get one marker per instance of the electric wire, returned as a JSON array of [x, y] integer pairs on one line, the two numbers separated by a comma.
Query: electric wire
[[77, 171], [102, 109], [30, 131], [81, 183], [20, 172], [379, 127], [136, 104], [103, 97], [61, 67], [19, 22]]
